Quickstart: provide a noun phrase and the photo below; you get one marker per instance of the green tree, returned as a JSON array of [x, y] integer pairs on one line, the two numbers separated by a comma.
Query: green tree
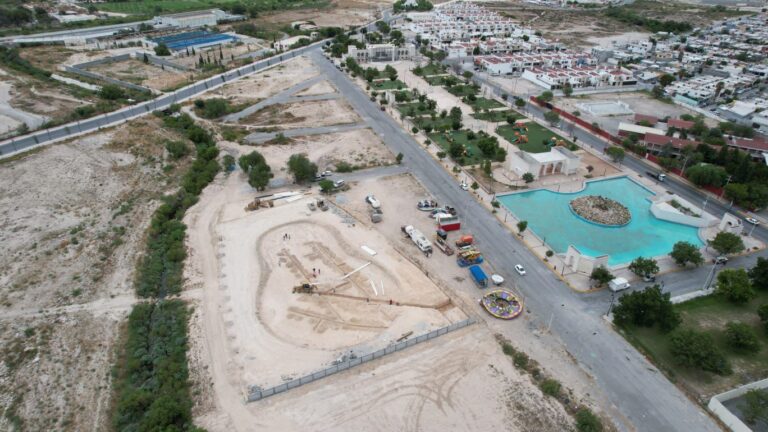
[[645, 309], [615, 153], [758, 275], [213, 108], [302, 169], [399, 158], [390, 72], [111, 92], [685, 252], [733, 284], [519, 102], [259, 176], [546, 96], [162, 50], [229, 162], [601, 275], [726, 243], [475, 186], [326, 185], [467, 75], [552, 117], [567, 90], [528, 177], [706, 175], [666, 79], [521, 226], [644, 267], [694, 349], [741, 337], [756, 406]]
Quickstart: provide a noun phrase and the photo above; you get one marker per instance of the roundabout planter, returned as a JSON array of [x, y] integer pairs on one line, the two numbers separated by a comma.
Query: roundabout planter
[[600, 210]]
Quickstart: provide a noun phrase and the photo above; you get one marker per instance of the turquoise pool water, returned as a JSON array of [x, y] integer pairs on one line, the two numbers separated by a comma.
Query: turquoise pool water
[[549, 216]]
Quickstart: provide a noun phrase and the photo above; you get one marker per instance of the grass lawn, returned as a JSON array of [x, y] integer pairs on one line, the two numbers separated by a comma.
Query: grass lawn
[[482, 103], [536, 136], [462, 90], [474, 155], [709, 313], [436, 123], [434, 80], [405, 94], [418, 107], [432, 69], [497, 116], [388, 85]]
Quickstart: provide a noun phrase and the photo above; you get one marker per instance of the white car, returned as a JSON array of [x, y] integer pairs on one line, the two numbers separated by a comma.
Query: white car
[[326, 173], [753, 221], [520, 270], [338, 183], [370, 199], [464, 186]]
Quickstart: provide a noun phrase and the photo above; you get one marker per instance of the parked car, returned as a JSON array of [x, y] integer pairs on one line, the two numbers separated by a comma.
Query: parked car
[[326, 173], [753, 221], [520, 270], [722, 259], [338, 183], [464, 186], [370, 199]]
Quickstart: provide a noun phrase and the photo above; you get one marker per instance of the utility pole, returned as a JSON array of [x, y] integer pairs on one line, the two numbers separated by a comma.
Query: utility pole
[[610, 307], [726, 185]]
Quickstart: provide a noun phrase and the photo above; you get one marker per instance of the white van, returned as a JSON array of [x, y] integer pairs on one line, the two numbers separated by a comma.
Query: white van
[[618, 284]]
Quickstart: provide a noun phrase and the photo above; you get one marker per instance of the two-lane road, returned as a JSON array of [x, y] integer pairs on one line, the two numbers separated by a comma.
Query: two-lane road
[[644, 397]]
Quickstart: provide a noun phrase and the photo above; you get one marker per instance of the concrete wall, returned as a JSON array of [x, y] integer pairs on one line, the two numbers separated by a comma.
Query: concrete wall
[[581, 263], [662, 209], [724, 414]]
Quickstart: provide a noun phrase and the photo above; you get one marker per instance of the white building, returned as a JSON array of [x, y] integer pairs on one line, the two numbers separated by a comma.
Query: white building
[[580, 77], [194, 19], [559, 160], [381, 52], [287, 43]]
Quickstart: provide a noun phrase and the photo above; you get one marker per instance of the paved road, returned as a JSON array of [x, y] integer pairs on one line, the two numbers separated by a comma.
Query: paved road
[[278, 98], [70, 130], [260, 137], [647, 400]]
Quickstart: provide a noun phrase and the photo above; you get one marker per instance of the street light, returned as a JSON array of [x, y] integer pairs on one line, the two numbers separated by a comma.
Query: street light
[[728, 180]]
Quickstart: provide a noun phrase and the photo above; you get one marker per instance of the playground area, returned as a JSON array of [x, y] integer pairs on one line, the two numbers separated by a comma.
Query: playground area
[[531, 137], [502, 304]]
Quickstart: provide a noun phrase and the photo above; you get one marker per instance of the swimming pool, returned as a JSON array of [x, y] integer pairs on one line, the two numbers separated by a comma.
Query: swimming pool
[[549, 216]]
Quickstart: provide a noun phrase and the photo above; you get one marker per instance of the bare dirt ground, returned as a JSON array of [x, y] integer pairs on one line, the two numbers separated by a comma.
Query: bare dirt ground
[[640, 103], [137, 72], [268, 83], [339, 13], [252, 329], [73, 217], [303, 114], [359, 147], [226, 54]]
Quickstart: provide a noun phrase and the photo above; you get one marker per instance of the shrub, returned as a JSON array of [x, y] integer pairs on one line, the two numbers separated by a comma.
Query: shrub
[[326, 186], [550, 387], [111, 92], [301, 168], [601, 275], [741, 337], [528, 177], [587, 421], [344, 167], [176, 149], [520, 360]]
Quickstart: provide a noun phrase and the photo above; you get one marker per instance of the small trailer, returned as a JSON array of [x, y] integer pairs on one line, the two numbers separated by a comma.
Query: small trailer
[[479, 276], [443, 245], [448, 223], [469, 257]]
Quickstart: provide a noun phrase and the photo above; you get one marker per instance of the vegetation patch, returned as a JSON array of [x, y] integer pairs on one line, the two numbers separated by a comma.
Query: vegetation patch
[[497, 116]]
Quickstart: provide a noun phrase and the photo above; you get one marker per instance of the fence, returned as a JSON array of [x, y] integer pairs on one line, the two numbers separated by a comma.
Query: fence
[[256, 395]]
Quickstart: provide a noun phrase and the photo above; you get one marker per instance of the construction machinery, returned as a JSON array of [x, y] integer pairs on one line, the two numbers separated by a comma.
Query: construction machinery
[[258, 203], [305, 288], [322, 205]]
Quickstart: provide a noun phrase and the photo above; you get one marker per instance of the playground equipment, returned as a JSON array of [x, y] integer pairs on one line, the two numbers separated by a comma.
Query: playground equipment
[[521, 133], [502, 304], [469, 257], [553, 142]]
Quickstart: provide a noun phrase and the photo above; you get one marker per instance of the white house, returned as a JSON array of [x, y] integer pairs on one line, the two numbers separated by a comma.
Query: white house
[[559, 160]]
